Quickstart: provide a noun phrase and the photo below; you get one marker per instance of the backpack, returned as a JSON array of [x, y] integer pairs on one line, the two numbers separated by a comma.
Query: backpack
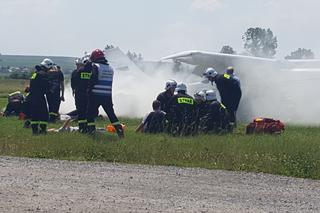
[[265, 126]]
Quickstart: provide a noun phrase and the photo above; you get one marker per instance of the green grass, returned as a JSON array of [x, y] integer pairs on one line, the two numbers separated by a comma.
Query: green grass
[[11, 85], [295, 153]]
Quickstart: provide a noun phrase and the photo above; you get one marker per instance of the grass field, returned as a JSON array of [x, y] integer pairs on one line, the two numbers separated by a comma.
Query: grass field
[[295, 153]]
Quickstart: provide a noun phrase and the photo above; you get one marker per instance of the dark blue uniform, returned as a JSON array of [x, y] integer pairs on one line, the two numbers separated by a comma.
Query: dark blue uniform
[[53, 96], [38, 104], [80, 84]]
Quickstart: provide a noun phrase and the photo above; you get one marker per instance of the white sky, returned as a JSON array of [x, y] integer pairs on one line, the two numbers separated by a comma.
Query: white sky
[[154, 28]]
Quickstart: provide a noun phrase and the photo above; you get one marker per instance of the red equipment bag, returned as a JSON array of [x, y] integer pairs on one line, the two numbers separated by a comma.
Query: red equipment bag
[[265, 125]]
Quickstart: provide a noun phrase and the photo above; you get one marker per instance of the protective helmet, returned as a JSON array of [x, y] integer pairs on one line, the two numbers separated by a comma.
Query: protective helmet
[[211, 95], [181, 87], [78, 60], [47, 63], [210, 72], [96, 54], [200, 96], [230, 70], [170, 84]]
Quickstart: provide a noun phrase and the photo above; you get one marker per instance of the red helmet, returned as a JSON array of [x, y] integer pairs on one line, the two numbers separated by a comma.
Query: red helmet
[[96, 54]]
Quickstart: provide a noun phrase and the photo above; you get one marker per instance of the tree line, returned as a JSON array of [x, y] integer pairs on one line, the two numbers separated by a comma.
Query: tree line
[[263, 43]]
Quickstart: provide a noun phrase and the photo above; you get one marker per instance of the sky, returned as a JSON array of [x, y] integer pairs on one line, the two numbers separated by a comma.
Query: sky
[[153, 28]]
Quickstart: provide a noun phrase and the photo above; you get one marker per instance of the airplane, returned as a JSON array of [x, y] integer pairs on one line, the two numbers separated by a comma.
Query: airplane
[[284, 89]]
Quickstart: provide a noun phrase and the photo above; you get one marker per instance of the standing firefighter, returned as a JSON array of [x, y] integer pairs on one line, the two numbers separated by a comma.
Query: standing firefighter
[[56, 92], [229, 90], [38, 104], [165, 96], [100, 92], [79, 83], [181, 116]]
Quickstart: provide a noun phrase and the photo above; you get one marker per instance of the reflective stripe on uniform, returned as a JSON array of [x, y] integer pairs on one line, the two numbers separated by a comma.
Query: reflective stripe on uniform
[[34, 75], [223, 106], [102, 87], [116, 123], [184, 100], [82, 121], [43, 122], [52, 113], [91, 124], [35, 122], [227, 76], [106, 92]]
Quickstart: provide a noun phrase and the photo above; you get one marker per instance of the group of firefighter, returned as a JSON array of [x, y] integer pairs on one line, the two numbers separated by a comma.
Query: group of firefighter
[[179, 114], [92, 87], [174, 111]]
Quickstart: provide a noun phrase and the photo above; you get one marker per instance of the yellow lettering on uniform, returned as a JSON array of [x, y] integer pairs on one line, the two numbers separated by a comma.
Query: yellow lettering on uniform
[[85, 76], [185, 101], [34, 75], [227, 76]]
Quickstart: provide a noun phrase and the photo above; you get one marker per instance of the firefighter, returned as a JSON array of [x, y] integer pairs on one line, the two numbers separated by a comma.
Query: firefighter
[[230, 71], [181, 116], [154, 121], [39, 86], [165, 96], [15, 104], [79, 83], [100, 92], [229, 89], [215, 118], [56, 92], [200, 107]]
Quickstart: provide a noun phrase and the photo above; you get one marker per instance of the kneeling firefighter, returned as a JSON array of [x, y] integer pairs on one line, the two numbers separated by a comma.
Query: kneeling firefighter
[[39, 86], [181, 116], [216, 117], [100, 92]]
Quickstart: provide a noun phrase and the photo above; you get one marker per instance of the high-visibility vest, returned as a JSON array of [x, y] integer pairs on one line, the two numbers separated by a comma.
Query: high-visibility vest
[[105, 78]]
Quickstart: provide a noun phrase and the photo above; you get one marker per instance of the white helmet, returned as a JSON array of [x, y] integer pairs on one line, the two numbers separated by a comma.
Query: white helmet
[[211, 95], [181, 87], [48, 63], [78, 60], [210, 72], [200, 96], [170, 84]]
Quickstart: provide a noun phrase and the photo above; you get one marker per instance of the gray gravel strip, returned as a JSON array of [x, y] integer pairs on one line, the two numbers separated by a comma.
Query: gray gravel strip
[[36, 185]]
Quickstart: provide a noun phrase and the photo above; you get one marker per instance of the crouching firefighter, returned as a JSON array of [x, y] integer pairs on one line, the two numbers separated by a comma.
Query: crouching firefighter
[[100, 92], [216, 118], [79, 84], [38, 105]]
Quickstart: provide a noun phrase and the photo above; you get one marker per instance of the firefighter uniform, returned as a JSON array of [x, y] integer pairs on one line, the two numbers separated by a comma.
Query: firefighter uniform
[[100, 92], [230, 93], [181, 116], [154, 122], [38, 104], [79, 84], [164, 98], [55, 77], [215, 118]]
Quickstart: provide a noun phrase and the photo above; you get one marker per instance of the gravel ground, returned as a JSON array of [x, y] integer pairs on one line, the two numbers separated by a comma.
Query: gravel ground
[[36, 185]]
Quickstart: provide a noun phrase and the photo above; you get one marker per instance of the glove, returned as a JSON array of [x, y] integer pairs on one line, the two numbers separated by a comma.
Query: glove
[[62, 98]]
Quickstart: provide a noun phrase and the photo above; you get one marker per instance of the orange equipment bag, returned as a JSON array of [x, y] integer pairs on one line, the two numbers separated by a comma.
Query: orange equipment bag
[[265, 125], [110, 128]]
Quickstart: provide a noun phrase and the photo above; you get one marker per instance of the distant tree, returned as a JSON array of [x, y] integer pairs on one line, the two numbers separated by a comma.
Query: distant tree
[[301, 53], [134, 56], [260, 42], [227, 50]]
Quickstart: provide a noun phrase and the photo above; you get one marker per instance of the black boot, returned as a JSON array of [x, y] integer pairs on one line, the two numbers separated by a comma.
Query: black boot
[[43, 129], [91, 129], [27, 124], [119, 130], [82, 127], [35, 129]]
